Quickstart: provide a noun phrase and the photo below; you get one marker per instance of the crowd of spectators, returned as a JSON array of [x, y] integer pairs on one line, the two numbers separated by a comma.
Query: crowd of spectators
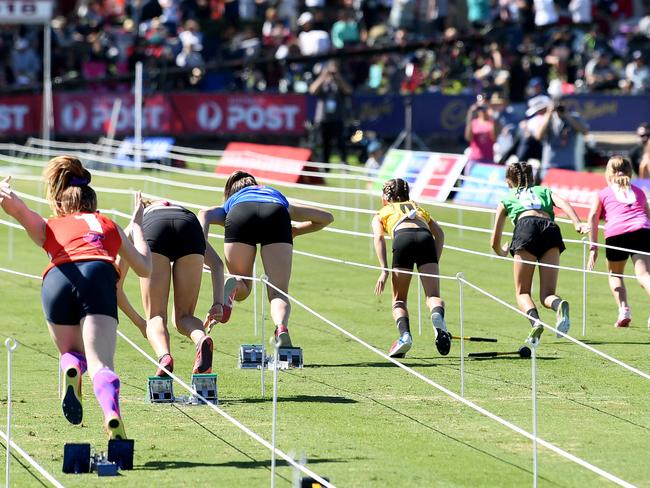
[[485, 46]]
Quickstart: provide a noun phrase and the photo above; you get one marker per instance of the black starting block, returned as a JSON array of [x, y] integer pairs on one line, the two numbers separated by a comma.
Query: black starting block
[[309, 482], [206, 386], [160, 389], [251, 356], [77, 458], [288, 357]]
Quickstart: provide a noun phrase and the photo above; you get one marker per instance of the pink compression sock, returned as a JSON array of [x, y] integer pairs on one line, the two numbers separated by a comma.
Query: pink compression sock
[[107, 390], [73, 360]]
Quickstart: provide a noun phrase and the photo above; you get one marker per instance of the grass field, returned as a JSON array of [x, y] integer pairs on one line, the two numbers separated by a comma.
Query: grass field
[[360, 420]]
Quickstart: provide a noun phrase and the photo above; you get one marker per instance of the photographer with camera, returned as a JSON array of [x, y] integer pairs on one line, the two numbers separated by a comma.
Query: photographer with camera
[[480, 132], [560, 133], [331, 109]]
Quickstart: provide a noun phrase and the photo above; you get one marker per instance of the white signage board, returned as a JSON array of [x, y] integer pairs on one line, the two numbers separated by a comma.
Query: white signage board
[[26, 11]]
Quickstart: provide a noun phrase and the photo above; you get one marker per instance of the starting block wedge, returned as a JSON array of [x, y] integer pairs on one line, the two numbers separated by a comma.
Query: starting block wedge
[[160, 389], [103, 466], [251, 356], [288, 357], [120, 452], [76, 458], [206, 386]]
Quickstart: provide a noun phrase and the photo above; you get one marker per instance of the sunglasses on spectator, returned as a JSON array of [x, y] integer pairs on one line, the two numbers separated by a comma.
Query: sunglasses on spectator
[[644, 136]]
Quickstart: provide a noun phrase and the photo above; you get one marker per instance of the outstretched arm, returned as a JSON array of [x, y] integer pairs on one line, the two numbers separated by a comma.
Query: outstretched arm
[[497, 232], [136, 254], [11, 203], [123, 301], [566, 207], [310, 219], [214, 215], [438, 236], [594, 218], [380, 249]]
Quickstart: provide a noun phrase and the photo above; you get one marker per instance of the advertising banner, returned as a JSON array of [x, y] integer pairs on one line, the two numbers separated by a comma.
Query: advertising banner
[[485, 186], [20, 115], [25, 11], [241, 113], [578, 188], [278, 163], [438, 177]]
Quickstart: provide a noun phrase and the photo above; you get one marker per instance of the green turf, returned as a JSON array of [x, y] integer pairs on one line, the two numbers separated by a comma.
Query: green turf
[[360, 420]]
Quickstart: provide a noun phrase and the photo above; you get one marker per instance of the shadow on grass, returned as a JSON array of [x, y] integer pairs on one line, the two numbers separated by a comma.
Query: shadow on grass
[[299, 399], [634, 343], [256, 464], [372, 364], [431, 428], [512, 358]]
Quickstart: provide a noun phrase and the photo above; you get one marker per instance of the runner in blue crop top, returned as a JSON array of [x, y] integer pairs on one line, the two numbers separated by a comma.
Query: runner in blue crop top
[[252, 215]]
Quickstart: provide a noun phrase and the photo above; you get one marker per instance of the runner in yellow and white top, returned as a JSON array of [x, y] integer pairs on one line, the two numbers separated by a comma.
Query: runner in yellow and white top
[[417, 240]]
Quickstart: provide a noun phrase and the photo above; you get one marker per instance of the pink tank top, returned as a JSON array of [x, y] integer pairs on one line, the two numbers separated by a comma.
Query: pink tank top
[[623, 210], [481, 146]]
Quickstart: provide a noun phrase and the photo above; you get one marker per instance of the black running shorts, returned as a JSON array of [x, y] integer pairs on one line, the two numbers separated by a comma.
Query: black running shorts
[[258, 223], [639, 240], [71, 291], [413, 245], [536, 235], [173, 232]]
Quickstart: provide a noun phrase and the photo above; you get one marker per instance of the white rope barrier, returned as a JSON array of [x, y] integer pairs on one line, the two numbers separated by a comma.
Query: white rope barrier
[[455, 396], [221, 412], [609, 358]]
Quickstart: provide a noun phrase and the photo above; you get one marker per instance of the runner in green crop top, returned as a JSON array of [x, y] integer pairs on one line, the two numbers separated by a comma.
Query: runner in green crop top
[[536, 238], [519, 200]]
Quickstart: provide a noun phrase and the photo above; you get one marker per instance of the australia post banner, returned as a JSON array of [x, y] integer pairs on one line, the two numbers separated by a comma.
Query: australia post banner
[[90, 114], [182, 114], [20, 115], [484, 186], [578, 188], [241, 113]]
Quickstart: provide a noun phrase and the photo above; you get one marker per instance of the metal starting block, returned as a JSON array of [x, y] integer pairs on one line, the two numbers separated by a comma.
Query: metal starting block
[[251, 356], [77, 458], [160, 389], [288, 357], [206, 386]]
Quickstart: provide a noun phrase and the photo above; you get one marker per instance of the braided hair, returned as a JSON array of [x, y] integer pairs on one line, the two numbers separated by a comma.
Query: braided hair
[[520, 176], [396, 190]]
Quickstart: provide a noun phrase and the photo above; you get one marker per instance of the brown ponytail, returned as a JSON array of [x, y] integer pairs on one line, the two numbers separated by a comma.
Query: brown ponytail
[[396, 190], [619, 171], [236, 181], [68, 189]]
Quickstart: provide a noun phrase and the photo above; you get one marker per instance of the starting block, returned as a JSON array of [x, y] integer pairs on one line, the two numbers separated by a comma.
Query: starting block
[[206, 386], [288, 357], [309, 482], [77, 458], [251, 356], [160, 389]]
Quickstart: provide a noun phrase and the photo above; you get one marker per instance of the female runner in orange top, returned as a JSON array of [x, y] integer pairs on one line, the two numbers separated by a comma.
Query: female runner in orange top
[[79, 284]]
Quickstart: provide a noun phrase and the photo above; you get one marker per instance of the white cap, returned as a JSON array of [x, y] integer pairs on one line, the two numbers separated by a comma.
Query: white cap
[[305, 18], [535, 104]]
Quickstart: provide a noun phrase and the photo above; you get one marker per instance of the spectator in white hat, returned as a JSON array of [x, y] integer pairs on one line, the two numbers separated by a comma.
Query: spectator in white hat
[[312, 41]]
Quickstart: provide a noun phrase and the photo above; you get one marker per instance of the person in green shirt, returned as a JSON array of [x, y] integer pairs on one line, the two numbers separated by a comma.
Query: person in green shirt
[[536, 238]]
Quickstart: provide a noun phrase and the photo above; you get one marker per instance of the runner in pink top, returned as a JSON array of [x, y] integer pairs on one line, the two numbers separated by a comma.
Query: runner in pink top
[[627, 226]]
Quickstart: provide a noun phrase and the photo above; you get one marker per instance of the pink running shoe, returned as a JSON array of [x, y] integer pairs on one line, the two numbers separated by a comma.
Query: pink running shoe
[[203, 361], [624, 317], [282, 336], [167, 361], [229, 290]]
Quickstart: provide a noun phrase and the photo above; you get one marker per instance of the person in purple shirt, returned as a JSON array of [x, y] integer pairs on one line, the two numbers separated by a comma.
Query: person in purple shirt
[[254, 214], [627, 225]]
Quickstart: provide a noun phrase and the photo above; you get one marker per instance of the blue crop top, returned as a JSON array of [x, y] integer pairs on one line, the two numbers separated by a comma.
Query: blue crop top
[[260, 194]]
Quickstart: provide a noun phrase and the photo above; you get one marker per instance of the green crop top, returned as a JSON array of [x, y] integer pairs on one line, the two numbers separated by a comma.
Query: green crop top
[[520, 200]]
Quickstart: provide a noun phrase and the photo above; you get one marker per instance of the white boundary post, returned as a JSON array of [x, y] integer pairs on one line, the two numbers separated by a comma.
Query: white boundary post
[[276, 358], [137, 115], [461, 320], [533, 349], [263, 281], [255, 298], [11, 345], [47, 84], [419, 304], [584, 286]]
